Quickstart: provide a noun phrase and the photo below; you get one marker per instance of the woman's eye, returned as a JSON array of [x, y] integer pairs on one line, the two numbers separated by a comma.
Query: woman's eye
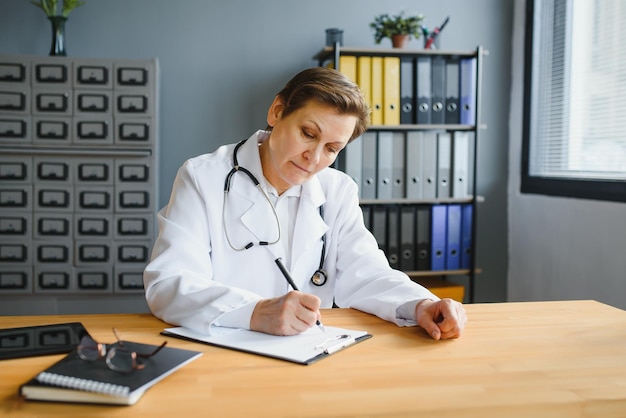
[[308, 134]]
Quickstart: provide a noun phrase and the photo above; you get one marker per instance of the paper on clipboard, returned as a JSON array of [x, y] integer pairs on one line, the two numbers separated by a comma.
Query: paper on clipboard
[[306, 348]]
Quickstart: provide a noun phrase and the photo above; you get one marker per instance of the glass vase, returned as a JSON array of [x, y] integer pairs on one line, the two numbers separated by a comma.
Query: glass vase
[[58, 35]]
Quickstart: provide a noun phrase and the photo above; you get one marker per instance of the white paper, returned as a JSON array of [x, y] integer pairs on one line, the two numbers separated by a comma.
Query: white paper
[[298, 348]]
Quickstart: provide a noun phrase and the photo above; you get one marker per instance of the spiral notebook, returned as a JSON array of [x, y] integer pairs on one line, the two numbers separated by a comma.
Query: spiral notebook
[[75, 380]]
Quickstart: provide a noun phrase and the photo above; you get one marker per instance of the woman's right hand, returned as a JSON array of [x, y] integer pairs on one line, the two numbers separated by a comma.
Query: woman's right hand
[[290, 314]]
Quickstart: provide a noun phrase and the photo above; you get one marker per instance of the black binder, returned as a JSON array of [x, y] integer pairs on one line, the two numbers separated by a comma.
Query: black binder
[[438, 115], [407, 91]]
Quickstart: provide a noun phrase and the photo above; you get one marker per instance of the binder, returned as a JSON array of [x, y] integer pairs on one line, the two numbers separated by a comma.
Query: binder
[[391, 91], [423, 84], [467, 99], [438, 92], [452, 90], [453, 241], [350, 161], [423, 238], [408, 238], [407, 90], [414, 164], [397, 166], [385, 163], [466, 235], [460, 164], [438, 235], [368, 190], [444, 160], [364, 77], [429, 165], [379, 226], [377, 91], [347, 66], [393, 236], [367, 218]]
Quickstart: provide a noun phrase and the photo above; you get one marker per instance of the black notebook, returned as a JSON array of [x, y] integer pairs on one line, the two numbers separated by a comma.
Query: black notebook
[[75, 380]]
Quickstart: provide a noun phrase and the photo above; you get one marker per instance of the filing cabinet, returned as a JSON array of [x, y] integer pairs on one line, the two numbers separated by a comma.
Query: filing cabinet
[[78, 175]]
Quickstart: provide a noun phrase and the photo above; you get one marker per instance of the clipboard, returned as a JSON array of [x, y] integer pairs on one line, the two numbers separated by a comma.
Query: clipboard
[[305, 348]]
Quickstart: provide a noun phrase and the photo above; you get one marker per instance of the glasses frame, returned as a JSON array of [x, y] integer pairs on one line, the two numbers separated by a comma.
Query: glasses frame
[[88, 344]]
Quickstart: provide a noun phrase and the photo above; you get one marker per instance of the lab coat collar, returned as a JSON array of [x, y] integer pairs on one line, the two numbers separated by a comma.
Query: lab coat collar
[[256, 214]]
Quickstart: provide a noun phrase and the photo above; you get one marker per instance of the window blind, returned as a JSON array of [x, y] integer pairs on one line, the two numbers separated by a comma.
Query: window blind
[[578, 90]]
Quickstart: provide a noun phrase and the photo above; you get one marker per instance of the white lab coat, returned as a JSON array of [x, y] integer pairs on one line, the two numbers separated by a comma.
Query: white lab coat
[[194, 276]]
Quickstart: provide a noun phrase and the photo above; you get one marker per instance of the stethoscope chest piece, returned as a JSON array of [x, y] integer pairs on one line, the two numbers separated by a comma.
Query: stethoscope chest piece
[[319, 278]]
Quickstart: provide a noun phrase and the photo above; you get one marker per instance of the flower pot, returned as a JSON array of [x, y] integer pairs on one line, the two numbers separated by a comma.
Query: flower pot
[[400, 41]]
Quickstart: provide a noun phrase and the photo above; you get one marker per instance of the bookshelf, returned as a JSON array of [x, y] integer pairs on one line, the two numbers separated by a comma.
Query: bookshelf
[[432, 155]]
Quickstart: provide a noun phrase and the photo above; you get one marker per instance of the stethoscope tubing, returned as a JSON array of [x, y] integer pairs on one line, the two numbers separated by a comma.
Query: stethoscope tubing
[[320, 276]]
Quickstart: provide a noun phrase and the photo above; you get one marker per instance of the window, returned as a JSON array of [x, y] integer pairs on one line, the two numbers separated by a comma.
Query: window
[[574, 139]]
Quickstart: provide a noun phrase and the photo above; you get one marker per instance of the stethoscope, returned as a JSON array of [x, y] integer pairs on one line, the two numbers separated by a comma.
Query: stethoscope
[[319, 277]]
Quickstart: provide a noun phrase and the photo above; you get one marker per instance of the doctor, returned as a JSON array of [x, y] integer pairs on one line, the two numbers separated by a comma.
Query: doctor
[[239, 215]]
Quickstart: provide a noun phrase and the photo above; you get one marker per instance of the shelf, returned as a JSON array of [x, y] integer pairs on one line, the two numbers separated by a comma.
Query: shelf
[[435, 273], [328, 52], [444, 289], [468, 199], [411, 127], [422, 137]]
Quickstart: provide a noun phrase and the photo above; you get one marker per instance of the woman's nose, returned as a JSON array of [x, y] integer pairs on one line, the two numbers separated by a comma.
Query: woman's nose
[[313, 154]]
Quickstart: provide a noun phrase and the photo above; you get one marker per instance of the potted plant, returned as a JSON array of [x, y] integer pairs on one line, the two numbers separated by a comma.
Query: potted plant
[[399, 28], [50, 8]]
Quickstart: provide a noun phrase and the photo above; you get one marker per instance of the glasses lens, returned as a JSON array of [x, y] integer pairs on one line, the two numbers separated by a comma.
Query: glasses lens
[[88, 349], [120, 359]]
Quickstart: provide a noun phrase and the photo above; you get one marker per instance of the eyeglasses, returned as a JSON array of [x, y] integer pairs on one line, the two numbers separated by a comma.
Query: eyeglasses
[[117, 356]]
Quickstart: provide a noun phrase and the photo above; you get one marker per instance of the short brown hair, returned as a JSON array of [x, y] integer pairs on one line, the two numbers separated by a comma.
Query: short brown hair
[[328, 87]]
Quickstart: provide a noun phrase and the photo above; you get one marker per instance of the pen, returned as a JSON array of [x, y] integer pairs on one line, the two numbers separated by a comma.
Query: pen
[[436, 33], [289, 279]]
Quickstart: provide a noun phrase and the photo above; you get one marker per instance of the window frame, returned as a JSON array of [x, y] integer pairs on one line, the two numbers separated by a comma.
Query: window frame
[[594, 189]]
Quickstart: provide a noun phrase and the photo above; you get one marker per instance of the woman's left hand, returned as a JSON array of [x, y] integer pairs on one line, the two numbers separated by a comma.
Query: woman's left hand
[[442, 319]]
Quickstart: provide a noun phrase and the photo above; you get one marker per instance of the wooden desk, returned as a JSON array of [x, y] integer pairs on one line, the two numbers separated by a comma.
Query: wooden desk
[[515, 360]]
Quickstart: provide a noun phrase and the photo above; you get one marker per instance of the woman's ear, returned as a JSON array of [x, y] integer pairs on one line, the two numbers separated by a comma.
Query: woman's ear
[[275, 111]]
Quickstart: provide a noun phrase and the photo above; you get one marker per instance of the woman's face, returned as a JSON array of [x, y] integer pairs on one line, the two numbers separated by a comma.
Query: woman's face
[[303, 143]]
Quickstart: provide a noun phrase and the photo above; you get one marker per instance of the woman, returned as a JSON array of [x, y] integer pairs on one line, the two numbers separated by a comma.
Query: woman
[[237, 216]]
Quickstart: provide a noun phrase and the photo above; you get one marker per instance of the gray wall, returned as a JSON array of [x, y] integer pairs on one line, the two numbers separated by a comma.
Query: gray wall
[[222, 62], [559, 248]]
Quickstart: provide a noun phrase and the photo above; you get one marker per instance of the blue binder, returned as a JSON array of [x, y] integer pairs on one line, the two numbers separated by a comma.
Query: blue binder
[[466, 236], [453, 241], [438, 235], [467, 87]]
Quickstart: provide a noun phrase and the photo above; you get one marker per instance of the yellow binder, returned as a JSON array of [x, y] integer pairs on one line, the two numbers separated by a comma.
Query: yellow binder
[[377, 90], [347, 66], [364, 77], [391, 91]]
